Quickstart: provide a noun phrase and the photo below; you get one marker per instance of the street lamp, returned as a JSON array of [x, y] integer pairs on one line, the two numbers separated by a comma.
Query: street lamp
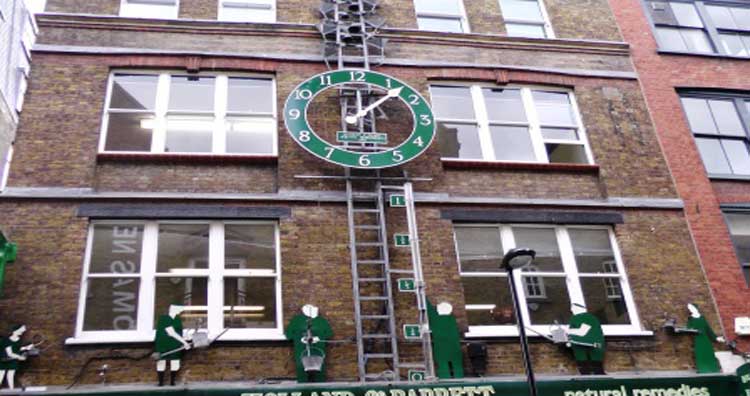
[[516, 259]]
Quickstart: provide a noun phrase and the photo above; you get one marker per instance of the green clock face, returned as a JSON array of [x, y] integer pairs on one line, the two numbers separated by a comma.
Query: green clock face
[[371, 149]]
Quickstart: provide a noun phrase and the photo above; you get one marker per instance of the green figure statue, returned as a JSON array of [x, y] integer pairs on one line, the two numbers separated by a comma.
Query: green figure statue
[[705, 360], [169, 343], [446, 341], [586, 340], [309, 332], [8, 253]]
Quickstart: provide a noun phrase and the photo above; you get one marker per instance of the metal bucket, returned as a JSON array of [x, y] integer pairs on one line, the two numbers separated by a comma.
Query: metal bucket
[[313, 359], [200, 339]]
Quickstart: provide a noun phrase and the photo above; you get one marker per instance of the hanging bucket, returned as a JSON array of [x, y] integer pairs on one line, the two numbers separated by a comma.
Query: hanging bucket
[[312, 359]]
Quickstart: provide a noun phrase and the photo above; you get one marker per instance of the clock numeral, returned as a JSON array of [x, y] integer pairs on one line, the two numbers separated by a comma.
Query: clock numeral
[[364, 160], [388, 83], [418, 141], [414, 99], [294, 114], [304, 136], [302, 94], [329, 151], [425, 120], [325, 80], [397, 156], [357, 76]]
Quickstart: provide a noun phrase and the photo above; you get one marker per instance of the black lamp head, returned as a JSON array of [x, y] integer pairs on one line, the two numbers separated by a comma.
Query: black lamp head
[[518, 258]]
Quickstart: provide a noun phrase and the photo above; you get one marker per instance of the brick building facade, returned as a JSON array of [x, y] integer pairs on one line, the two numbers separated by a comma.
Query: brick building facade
[[134, 185]]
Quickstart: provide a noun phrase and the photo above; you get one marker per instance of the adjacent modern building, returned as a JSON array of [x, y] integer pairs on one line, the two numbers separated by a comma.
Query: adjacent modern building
[[244, 159]]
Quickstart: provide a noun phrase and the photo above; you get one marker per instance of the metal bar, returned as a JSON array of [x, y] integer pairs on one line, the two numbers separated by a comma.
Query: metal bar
[[383, 236], [355, 277], [413, 179]]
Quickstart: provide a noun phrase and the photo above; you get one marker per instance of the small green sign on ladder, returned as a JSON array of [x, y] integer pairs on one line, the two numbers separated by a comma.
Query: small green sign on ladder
[[412, 331], [406, 285], [416, 375], [401, 240], [397, 200]]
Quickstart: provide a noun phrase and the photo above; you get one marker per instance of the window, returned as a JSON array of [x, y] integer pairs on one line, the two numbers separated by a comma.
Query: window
[[702, 27], [162, 113], [526, 18], [161, 9], [227, 274], [508, 124], [739, 230], [720, 127], [441, 16], [574, 264], [247, 10], [5, 167]]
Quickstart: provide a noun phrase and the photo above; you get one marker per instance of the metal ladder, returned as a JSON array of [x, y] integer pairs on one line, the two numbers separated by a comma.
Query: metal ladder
[[375, 317]]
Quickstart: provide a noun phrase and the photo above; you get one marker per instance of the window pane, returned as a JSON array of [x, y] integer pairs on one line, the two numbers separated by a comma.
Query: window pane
[[696, 41], [488, 301], [452, 102], [739, 228], [189, 134], [182, 246], [554, 108], [566, 153], [129, 132], [133, 92], [235, 11], [727, 119], [713, 156], [116, 248], [521, 9], [442, 6], [111, 304], [250, 246], [191, 93], [190, 292], [670, 39], [141, 10], [699, 115], [479, 249], [544, 242], [560, 133], [458, 141], [250, 135], [741, 17], [592, 251], [452, 25], [721, 17], [512, 143], [733, 45], [250, 95], [504, 104], [604, 300], [525, 30], [746, 41], [556, 305], [686, 14], [737, 154], [250, 303]]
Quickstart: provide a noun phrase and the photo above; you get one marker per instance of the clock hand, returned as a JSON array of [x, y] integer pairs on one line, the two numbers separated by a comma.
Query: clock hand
[[352, 119]]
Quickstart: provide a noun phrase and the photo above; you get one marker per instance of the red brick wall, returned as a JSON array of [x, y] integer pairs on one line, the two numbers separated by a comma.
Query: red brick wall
[[660, 75]]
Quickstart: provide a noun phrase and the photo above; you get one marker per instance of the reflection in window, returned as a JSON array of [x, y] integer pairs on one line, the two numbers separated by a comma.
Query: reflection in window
[[161, 9], [739, 230], [441, 16], [247, 10], [525, 18]]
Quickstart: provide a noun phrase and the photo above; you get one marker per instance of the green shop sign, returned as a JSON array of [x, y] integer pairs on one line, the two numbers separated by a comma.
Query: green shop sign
[[696, 385]]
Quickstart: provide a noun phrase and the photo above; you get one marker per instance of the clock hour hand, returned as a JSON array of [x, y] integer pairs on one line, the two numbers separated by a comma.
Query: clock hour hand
[[352, 119]]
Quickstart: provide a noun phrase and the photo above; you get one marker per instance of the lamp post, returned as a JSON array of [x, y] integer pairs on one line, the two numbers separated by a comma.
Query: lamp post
[[516, 259]]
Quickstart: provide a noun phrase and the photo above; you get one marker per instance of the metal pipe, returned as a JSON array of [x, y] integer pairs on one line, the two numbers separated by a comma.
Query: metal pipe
[[522, 334]]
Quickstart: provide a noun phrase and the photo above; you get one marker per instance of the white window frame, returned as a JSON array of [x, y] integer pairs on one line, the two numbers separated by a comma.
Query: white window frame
[[569, 272], [174, 15], [546, 24], [247, 4], [220, 113], [461, 17], [481, 119], [215, 273], [6, 167]]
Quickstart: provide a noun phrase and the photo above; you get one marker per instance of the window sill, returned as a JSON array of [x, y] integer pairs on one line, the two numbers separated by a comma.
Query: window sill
[[189, 158], [88, 340], [700, 54], [514, 334], [532, 166], [729, 177]]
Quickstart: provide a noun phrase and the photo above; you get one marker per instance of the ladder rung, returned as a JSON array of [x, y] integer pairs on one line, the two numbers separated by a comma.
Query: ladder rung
[[392, 187], [378, 355], [369, 243], [373, 298], [372, 279], [376, 336], [375, 317], [367, 227], [366, 210], [370, 261], [401, 271], [364, 195], [411, 365]]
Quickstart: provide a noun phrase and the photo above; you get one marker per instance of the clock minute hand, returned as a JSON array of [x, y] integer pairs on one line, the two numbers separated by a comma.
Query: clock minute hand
[[352, 119]]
